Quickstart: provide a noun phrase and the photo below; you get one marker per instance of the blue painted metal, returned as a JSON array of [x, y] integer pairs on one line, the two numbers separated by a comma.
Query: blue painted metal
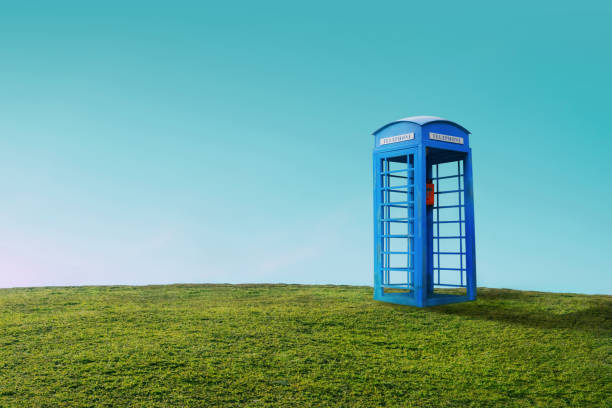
[[419, 248], [423, 120]]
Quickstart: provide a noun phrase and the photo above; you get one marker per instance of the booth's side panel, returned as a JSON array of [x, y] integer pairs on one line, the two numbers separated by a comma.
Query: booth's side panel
[[378, 290], [469, 226], [420, 265]]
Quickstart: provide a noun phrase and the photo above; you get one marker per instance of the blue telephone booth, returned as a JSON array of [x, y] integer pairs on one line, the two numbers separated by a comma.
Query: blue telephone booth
[[423, 213]]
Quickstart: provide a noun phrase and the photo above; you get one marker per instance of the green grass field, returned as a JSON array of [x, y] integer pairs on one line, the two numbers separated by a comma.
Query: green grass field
[[292, 346]]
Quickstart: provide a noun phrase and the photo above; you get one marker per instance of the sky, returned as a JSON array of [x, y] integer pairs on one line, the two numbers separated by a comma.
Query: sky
[[170, 142]]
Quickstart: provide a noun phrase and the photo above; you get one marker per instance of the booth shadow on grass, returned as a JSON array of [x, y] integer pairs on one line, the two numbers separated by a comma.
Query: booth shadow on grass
[[532, 309]]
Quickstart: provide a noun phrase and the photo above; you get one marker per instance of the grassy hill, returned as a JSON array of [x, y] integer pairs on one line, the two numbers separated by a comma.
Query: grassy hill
[[286, 346]]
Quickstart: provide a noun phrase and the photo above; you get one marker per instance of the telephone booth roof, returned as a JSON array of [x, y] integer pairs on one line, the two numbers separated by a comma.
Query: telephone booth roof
[[423, 120]]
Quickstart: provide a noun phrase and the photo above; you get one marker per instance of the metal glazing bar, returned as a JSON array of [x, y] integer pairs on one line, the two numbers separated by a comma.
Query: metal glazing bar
[[449, 285], [398, 252], [387, 213], [449, 269], [438, 214], [455, 237], [447, 222], [397, 202], [450, 206], [397, 236], [404, 220], [447, 192], [396, 171], [409, 250], [460, 225], [381, 225], [449, 253], [446, 177]]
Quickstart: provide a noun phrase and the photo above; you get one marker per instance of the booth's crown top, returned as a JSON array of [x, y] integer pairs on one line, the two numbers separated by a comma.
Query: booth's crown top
[[423, 120]]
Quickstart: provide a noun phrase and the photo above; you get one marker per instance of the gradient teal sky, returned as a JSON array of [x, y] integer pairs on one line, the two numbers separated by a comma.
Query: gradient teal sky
[[231, 141]]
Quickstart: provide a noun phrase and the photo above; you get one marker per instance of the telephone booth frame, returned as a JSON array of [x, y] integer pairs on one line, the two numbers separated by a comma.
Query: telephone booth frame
[[423, 213]]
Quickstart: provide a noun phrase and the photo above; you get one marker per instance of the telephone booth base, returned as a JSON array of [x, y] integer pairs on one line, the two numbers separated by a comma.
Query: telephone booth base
[[436, 299]]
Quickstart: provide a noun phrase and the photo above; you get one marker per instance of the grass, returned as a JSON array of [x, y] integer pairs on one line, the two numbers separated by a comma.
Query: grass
[[290, 345]]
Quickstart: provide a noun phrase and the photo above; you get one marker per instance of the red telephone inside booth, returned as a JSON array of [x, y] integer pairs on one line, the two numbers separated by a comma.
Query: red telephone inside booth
[[430, 193]]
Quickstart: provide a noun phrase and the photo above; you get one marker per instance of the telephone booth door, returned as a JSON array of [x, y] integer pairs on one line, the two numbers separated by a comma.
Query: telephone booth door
[[394, 220], [449, 244]]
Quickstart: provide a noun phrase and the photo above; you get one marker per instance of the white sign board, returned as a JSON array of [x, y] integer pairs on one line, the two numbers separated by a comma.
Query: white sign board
[[396, 139], [445, 138]]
